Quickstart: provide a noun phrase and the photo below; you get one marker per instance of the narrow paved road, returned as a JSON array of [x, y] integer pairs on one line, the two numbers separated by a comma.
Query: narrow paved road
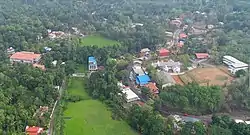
[[175, 38], [51, 124]]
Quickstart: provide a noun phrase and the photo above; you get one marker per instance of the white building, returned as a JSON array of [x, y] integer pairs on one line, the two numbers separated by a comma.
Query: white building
[[130, 95], [239, 121], [10, 50], [168, 66], [234, 64], [137, 71]]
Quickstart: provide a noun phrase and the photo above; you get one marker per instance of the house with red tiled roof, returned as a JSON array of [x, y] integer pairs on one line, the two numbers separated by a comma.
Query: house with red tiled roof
[[202, 55], [152, 87], [33, 130], [164, 52], [25, 57]]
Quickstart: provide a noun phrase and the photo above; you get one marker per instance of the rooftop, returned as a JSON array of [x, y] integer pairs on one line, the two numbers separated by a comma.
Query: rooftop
[[247, 122], [129, 93], [33, 130], [144, 50], [201, 55], [235, 62], [165, 77], [238, 121], [142, 80], [92, 59], [153, 88], [138, 70], [25, 56], [169, 64]]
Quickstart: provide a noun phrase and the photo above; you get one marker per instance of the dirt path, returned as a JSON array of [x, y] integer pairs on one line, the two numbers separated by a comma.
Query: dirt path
[[177, 79]]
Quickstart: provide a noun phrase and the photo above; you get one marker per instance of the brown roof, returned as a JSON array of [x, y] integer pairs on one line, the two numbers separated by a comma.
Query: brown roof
[[25, 56], [153, 88]]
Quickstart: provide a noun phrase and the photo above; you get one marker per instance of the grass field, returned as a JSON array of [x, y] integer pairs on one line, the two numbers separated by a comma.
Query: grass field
[[97, 40], [213, 76], [90, 117], [81, 69]]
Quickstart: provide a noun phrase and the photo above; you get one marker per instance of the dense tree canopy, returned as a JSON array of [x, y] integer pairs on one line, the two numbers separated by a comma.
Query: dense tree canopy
[[192, 98], [23, 90]]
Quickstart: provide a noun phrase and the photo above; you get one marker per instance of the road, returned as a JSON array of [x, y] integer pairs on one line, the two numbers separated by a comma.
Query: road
[[51, 123], [175, 38]]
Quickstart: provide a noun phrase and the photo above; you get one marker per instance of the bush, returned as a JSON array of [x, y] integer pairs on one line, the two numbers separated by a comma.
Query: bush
[[240, 73]]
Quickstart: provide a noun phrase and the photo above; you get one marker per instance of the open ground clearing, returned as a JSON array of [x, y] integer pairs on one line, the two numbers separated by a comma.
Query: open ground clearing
[[98, 41], [204, 76], [90, 117]]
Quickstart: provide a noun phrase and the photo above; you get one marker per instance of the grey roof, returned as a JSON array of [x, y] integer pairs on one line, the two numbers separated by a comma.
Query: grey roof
[[165, 77], [169, 64], [189, 119]]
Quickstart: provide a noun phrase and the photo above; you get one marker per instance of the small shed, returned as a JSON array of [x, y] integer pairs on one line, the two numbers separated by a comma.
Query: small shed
[[142, 80], [164, 52]]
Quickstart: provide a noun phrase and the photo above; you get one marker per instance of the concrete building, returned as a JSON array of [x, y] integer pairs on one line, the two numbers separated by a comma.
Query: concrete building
[[142, 80], [10, 51], [169, 34], [92, 63], [168, 66], [25, 57], [136, 71], [130, 95], [239, 121], [234, 64]]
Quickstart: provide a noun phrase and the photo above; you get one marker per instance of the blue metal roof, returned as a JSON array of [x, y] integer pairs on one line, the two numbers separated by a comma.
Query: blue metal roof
[[92, 59], [142, 80]]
